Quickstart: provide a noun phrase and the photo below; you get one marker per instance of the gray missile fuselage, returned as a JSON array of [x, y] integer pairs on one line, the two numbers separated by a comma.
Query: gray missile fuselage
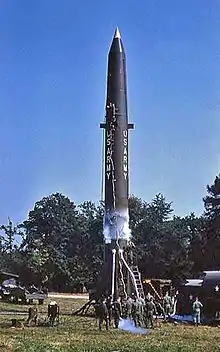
[[116, 131], [116, 168]]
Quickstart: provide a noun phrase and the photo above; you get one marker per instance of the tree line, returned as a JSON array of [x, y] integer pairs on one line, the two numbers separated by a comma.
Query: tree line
[[60, 244]]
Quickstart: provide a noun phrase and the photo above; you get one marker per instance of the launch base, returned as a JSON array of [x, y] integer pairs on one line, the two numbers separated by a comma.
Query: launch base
[[117, 279], [83, 311], [119, 276]]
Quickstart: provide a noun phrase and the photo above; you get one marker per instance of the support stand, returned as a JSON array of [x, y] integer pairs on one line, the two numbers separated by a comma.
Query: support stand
[[84, 309], [118, 269]]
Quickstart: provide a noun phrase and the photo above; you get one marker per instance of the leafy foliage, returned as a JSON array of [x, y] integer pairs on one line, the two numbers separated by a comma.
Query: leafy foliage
[[210, 235], [61, 244]]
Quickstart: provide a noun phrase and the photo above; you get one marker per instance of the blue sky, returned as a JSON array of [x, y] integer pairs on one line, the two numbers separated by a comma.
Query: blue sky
[[52, 97]]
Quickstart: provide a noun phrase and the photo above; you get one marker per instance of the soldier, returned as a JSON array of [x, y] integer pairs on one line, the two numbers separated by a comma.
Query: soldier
[[116, 312], [109, 307], [160, 308], [53, 312], [142, 304], [150, 309], [136, 312], [128, 307], [32, 315], [101, 313], [197, 305], [167, 304]]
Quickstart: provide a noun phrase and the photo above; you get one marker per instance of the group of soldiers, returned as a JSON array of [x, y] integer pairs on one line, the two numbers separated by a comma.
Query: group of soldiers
[[141, 310], [52, 314]]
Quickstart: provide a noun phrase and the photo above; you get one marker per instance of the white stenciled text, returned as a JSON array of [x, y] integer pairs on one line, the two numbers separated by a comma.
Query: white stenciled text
[[125, 153]]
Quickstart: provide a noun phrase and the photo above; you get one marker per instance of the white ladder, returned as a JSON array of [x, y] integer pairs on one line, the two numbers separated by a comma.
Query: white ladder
[[137, 277]]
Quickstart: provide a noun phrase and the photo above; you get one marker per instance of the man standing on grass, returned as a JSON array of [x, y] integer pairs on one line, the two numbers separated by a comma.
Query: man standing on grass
[[101, 312], [116, 312], [167, 304], [53, 312], [109, 307], [128, 307], [136, 312], [197, 305], [150, 310]]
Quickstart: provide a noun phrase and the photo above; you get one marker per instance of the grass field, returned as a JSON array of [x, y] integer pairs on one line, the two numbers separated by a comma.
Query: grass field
[[78, 334]]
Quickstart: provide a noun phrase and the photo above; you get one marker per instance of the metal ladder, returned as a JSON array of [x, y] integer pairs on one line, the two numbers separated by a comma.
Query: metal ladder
[[137, 277]]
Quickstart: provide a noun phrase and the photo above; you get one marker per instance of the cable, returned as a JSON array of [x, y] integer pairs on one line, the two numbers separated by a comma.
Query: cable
[[174, 308], [113, 272], [131, 273], [102, 165], [113, 183], [122, 279]]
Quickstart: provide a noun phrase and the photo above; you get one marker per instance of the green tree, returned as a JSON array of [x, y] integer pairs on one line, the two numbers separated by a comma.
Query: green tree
[[211, 230], [147, 221], [62, 244], [88, 258], [50, 228], [11, 257], [8, 239], [163, 244], [196, 251], [212, 202]]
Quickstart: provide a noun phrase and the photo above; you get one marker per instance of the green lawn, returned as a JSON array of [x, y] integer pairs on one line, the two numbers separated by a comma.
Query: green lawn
[[81, 334]]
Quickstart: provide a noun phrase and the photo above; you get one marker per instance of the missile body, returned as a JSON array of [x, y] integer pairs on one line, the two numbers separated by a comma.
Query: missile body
[[116, 219], [116, 126]]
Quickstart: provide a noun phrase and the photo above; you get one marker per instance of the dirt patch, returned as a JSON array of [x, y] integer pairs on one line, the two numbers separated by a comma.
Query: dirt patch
[[84, 296]]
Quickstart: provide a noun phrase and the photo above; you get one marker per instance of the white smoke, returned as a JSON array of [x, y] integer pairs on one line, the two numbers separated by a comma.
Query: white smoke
[[128, 325], [116, 226]]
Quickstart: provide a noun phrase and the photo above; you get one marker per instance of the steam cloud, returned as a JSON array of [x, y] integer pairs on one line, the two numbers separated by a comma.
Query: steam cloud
[[128, 325], [116, 226]]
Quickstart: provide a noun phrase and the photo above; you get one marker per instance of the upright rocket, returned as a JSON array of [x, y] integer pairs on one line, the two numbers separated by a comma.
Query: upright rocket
[[119, 275], [116, 220]]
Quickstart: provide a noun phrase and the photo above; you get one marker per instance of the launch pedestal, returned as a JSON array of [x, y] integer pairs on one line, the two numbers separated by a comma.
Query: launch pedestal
[[119, 277]]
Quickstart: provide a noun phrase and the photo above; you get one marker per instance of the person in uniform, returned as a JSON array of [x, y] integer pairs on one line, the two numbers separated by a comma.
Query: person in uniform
[[128, 308], [167, 304], [53, 312], [150, 310], [101, 312], [32, 315], [159, 308], [141, 300], [197, 305], [109, 307], [116, 312], [136, 310]]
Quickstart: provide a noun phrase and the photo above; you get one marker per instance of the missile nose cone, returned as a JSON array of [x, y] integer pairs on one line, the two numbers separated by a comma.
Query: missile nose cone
[[117, 46], [117, 33]]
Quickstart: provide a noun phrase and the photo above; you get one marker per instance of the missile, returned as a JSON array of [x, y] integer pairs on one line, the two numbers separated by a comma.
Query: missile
[[116, 220], [116, 230], [119, 275]]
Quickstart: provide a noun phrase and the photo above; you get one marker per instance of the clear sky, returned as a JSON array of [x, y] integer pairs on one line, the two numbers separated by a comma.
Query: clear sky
[[53, 57]]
